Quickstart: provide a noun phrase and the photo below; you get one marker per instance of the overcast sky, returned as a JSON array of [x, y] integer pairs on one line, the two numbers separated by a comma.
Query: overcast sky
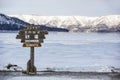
[[61, 7]]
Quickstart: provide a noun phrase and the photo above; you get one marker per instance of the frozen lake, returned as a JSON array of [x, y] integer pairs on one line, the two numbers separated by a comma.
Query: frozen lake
[[64, 52]]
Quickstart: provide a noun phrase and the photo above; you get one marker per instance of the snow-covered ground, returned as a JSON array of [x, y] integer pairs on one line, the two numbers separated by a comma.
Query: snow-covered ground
[[49, 78], [64, 52]]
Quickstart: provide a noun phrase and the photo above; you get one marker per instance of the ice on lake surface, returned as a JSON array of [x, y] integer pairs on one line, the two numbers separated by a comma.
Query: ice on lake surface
[[65, 52]]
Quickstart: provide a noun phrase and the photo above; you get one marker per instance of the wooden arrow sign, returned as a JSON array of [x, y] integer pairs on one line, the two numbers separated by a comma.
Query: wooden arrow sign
[[31, 44]]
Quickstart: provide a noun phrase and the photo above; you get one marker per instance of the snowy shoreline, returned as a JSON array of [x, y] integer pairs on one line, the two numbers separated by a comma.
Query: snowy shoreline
[[8, 75]]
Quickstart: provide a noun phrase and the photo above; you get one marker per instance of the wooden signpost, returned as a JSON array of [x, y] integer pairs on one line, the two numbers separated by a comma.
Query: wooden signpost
[[31, 36]]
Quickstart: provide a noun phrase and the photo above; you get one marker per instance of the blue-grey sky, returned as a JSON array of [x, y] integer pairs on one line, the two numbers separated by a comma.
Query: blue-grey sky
[[61, 7]]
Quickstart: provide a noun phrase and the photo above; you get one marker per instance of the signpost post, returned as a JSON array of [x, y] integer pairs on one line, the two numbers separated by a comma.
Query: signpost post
[[31, 36]]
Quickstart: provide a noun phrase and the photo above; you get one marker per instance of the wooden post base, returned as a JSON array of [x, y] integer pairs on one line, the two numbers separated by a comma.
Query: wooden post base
[[31, 69]]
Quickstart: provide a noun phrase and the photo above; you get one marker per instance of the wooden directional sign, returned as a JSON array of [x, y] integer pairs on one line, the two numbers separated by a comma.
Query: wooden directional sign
[[31, 44], [31, 36]]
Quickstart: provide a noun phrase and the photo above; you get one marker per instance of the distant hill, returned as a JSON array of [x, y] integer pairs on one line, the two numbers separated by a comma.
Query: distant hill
[[110, 23], [13, 23]]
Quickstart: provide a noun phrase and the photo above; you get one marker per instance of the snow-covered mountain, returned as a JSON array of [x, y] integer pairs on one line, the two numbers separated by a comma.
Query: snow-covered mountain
[[4, 19], [110, 23], [13, 23]]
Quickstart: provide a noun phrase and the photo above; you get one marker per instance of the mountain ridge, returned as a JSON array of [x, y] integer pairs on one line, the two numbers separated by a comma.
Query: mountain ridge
[[14, 23], [110, 23]]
